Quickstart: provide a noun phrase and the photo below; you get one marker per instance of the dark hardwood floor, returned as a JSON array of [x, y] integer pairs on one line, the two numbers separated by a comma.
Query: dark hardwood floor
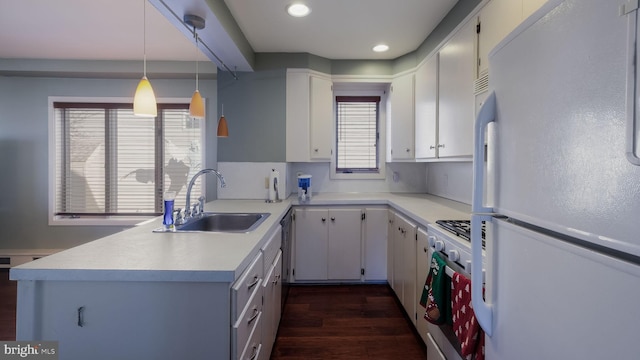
[[8, 291], [318, 322], [345, 322]]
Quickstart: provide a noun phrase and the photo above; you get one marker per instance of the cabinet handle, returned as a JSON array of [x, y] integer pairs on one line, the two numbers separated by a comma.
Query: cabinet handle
[[275, 280], [425, 249], [81, 316], [256, 312], [254, 353], [333, 219], [431, 147], [441, 145], [255, 281], [408, 150], [323, 219], [315, 150]]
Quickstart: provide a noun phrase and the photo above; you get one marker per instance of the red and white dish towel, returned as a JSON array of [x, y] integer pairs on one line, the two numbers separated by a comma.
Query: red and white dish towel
[[465, 325]]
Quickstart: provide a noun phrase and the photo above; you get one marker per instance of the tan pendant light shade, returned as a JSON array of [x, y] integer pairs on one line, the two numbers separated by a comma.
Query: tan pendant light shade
[[196, 107], [223, 130], [144, 101]]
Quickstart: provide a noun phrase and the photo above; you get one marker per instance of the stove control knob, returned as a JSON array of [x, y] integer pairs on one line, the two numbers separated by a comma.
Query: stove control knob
[[454, 255], [432, 240], [439, 245]]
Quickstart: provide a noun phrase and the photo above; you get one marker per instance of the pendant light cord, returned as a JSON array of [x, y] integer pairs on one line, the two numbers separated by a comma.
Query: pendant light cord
[[144, 36], [196, 35]]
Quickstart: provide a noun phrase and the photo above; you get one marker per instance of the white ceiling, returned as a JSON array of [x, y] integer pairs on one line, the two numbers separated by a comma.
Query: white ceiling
[[339, 29], [113, 29]]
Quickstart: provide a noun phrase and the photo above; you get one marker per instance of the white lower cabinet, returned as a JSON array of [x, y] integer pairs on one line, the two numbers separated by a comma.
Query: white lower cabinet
[[391, 215], [433, 351], [404, 263], [423, 260], [271, 295], [339, 244], [156, 319]]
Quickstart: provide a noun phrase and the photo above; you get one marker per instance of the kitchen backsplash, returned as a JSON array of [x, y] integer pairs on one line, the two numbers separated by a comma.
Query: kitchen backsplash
[[452, 180], [246, 180]]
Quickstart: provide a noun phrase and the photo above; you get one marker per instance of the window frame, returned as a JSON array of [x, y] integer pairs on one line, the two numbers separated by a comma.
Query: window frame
[[360, 89], [99, 220]]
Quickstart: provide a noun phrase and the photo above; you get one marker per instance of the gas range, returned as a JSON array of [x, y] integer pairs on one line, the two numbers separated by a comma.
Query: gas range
[[452, 238], [461, 228]]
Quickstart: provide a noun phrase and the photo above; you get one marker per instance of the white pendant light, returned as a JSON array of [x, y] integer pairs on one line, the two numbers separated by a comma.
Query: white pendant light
[[144, 101], [196, 107]]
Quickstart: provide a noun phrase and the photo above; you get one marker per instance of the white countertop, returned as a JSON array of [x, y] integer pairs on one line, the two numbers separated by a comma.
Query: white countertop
[[138, 254]]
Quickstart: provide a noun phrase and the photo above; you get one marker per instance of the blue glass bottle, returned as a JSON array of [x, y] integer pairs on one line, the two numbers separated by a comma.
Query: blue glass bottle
[[167, 221]]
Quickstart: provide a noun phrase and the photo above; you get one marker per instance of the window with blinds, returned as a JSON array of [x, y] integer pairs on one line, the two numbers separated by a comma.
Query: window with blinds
[[357, 134], [110, 162]]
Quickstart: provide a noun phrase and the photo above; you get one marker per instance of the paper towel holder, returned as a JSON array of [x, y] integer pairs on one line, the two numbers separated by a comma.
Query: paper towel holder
[[275, 188]]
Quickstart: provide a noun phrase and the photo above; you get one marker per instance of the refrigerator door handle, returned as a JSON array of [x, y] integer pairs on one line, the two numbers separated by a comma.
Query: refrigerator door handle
[[633, 81], [486, 115], [483, 310]]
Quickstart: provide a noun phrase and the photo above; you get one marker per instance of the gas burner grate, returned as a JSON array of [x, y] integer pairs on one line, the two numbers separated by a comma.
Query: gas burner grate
[[461, 228]]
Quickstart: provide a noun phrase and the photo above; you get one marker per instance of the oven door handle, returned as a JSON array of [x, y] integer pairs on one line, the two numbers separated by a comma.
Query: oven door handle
[[482, 309]]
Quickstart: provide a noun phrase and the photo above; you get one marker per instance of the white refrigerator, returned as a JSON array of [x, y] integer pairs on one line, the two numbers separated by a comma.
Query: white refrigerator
[[559, 187]]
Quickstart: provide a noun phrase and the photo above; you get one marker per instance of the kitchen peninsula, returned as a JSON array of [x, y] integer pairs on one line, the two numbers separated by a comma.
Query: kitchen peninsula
[[139, 294]]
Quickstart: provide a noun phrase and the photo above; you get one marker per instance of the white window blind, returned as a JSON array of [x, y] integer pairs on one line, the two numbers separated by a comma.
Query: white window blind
[[357, 134], [110, 162]]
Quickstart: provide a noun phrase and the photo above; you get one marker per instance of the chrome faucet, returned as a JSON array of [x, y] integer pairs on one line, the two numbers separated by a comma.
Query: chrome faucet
[[187, 208]]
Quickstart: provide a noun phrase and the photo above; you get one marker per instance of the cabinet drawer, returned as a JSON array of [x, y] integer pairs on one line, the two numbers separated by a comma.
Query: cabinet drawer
[[247, 284], [248, 322], [253, 349], [270, 249]]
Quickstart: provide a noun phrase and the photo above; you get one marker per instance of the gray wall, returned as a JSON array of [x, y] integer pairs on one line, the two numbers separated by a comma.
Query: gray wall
[[24, 152], [255, 109]]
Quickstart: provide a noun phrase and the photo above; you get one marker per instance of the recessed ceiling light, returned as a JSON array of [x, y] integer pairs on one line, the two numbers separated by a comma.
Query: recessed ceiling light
[[298, 10], [380, 48]]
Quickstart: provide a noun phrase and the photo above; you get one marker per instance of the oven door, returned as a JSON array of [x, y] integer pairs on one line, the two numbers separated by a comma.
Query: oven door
[[441, 341]]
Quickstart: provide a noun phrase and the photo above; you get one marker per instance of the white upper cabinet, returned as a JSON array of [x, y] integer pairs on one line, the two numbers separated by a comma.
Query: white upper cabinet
[[297, 113], [456, 99], [497, 19], [309, 112], [321, 112], [401, 119], [426, 113]]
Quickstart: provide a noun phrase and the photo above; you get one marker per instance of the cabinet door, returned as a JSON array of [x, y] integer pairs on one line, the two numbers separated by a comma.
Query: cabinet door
[[422, 270], [409, 274], [391, 232], [530, 6], [433, 351], [398, 258], [497, 19], [456, 100], [375, 244], [345, 246], [426, 109], [297, 116], [401, 118], [321, 118], [311, 244], [271, 309]]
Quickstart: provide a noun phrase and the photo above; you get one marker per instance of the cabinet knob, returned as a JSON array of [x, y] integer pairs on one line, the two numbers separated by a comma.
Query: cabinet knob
[[425, 249], [408, 150], [333, 218], [431, 147], [315, 150], [323, 219]]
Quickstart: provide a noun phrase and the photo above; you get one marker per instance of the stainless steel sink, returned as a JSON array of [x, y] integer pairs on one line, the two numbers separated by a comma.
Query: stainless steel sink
[[223, 222]]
